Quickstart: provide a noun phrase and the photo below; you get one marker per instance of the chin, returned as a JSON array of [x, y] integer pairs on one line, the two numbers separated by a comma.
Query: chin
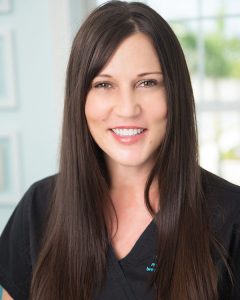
[[132, 162]]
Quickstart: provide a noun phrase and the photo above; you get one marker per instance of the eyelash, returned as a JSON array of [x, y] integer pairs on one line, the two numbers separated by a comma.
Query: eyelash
[[106, 85], [102, 85], [151, 81]]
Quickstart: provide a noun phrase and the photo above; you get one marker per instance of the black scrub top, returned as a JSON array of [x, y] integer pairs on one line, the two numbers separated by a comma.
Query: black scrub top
[[127, 278]]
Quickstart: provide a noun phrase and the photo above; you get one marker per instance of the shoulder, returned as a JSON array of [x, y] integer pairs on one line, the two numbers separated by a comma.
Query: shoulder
[[35, 201], [214, 183], [30, 216], [223, 200], [35, 206], [20, 239], [41, 188], [39, 194]]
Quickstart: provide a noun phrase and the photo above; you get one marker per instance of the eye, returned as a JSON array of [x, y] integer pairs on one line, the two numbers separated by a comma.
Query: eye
[[102, 85], [148, 83]]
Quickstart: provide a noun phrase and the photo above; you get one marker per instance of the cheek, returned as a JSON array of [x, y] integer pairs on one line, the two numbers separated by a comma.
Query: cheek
[[157, 113], [95, 110], [157, 118], [156, 106]]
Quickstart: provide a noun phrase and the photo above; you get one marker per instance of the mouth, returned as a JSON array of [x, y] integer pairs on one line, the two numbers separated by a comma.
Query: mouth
[[127, 132]]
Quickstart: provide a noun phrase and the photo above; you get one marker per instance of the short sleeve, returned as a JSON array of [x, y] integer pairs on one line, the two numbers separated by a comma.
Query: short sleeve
[[15, 266]]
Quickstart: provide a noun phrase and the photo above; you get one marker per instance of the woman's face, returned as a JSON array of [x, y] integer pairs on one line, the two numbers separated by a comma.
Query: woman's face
[[126, 107]]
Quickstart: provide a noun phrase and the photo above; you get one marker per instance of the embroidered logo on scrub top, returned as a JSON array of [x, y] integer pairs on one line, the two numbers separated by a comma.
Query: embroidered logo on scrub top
[[152, 268]]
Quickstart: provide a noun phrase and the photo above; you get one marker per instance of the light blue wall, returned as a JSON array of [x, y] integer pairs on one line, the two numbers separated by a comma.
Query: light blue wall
[[35, 119]]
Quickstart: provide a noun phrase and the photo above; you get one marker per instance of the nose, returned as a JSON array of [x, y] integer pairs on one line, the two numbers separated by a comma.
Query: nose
[[127, 104]]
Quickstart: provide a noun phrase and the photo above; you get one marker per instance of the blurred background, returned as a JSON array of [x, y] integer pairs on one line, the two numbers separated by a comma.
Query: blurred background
[[35, 40]]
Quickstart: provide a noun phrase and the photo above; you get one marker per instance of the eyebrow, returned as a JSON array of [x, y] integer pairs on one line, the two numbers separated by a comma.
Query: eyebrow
[[139, 75]]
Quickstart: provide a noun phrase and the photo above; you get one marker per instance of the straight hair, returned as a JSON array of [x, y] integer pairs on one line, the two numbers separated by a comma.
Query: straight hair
[[71, 262]]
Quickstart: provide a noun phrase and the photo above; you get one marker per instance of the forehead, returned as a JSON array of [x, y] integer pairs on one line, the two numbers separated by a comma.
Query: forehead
[[135, 53]]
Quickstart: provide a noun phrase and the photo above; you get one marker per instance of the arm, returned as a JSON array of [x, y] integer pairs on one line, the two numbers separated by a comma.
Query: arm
[[5, 296]]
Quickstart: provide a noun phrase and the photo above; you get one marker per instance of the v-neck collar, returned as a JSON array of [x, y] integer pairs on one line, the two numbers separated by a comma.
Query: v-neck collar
[[143, 247], [117, 285], [119, 277]]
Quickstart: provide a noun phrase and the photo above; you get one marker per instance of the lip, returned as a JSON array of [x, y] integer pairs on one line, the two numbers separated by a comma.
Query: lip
[[128, 140], [128, 127]]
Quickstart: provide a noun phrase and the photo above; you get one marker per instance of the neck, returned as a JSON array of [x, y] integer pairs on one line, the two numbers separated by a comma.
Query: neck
[[127, 187]]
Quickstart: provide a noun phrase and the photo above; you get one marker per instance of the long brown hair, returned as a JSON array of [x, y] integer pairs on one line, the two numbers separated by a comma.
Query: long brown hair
[[72, 260]]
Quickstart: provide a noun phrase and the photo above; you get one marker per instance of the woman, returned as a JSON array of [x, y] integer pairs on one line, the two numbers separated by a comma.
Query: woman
[[130, 215]]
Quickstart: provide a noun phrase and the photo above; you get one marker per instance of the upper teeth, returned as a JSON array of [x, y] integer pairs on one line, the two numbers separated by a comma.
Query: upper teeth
[[127, 132]]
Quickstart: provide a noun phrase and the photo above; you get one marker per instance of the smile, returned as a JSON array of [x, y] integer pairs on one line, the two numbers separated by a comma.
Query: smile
[[127, 132]]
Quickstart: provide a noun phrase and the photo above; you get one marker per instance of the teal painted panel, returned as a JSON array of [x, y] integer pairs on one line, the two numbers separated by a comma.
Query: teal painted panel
[[5, 167], [2, 68]]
